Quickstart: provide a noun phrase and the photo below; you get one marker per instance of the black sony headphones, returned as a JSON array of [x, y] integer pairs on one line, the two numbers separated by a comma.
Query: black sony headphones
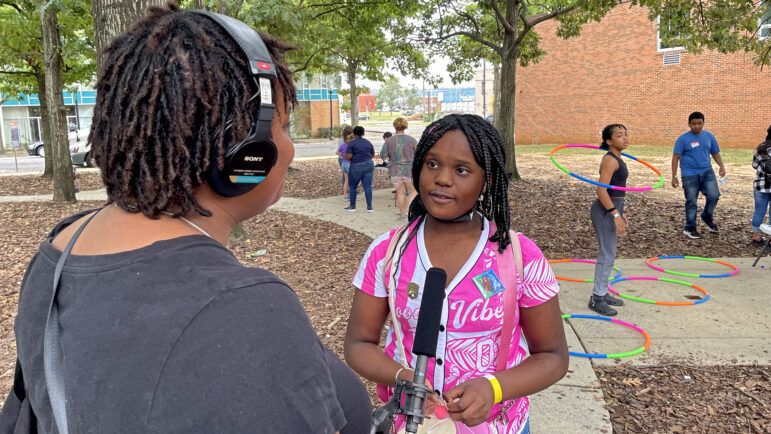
[[248, 162]]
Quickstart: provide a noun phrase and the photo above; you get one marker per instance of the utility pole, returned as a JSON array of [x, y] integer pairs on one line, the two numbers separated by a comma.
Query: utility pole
[[425, 100], [484, 88], [77, 117], [77, 110], [329, 95]]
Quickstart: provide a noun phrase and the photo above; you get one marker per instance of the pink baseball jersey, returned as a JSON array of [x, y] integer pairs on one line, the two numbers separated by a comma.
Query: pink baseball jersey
[[472, 314]]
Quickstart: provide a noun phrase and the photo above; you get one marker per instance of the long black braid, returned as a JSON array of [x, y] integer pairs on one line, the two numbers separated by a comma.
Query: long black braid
[[488, 150], [164, 95]]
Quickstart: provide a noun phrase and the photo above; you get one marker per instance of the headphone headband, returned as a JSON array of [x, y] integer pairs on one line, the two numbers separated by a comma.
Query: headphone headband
[[248, 162], [250, 42]]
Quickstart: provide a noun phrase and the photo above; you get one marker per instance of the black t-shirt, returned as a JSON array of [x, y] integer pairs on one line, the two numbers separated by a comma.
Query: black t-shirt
[[179, 336]]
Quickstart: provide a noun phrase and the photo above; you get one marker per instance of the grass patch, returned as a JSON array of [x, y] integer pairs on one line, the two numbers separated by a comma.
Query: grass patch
[[385, 116]]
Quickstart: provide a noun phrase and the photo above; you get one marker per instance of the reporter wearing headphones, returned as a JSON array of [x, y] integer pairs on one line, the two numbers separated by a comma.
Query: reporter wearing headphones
[[156, 327]]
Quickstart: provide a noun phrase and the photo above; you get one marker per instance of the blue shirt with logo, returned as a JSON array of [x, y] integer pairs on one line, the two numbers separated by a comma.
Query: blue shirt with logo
[[695, 151]]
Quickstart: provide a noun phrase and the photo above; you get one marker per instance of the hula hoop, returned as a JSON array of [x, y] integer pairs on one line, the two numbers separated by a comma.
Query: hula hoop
[[586, 261], [736, 269], [615, 355], [662, 303], [657, 171]]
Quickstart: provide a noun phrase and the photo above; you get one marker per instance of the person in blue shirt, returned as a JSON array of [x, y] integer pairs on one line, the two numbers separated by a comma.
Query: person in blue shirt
[[360, 152], [692, 152]]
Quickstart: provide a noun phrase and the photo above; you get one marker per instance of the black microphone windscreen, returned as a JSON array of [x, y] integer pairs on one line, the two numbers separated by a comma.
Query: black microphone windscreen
[[430, 316]]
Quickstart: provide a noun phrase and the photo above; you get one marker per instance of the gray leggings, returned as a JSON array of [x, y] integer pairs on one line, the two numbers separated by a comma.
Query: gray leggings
[[606, 237]]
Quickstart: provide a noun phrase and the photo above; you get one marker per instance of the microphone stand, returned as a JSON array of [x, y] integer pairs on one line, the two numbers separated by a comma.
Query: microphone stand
[[424, 347], [383, 418]]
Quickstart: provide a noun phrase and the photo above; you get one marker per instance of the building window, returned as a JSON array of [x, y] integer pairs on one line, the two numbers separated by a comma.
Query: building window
[[764, 23], [672, 23]]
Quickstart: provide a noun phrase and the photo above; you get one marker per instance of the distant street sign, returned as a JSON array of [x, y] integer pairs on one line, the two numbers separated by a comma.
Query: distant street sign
[[15, 137]]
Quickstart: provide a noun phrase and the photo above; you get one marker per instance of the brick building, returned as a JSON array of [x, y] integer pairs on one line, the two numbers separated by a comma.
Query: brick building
[[317, 99], [620, 70], [367, 102]]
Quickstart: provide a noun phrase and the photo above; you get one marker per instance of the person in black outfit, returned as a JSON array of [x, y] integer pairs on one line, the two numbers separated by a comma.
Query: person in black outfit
[[162, 330], [608, 216], [360, 151]]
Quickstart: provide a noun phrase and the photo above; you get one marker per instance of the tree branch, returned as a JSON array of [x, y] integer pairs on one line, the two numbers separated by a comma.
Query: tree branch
[[508, 28], [550, 15], [11, 4], [477, 38], [307, 62], [526, 26], [335, 9], [17, 72]]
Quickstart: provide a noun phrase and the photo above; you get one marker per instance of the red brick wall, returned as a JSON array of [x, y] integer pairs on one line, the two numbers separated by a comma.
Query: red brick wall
[[613, 73]]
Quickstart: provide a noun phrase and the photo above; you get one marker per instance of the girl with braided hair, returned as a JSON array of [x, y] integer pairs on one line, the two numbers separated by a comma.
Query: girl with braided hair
[[160, 328], [608, 217], [460, 222]]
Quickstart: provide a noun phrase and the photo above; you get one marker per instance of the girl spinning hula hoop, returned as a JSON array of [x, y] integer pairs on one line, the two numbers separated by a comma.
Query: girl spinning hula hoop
[[460, 222], [608, 218], [600, 184]]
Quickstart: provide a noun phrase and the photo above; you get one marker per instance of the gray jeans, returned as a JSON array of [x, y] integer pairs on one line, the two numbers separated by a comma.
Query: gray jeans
[[606, 237]]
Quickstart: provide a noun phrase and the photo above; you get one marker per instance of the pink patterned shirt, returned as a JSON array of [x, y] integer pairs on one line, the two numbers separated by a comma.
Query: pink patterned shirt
[[471, 324]]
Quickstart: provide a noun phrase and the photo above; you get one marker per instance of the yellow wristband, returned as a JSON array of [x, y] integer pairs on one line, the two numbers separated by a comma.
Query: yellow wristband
[[496, 387]]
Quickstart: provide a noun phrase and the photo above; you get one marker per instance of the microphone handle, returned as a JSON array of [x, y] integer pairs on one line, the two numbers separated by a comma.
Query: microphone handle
[[416, 403]]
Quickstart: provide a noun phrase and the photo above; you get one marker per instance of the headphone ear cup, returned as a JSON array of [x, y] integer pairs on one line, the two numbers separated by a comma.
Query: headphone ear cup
[[246, 165], [220, 183]]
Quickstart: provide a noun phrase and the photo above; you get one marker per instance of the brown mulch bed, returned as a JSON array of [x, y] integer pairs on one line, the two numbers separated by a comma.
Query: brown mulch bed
[[674, 398], [556, 216], [29, 185], [552, 210], [309, 179], [312, 179]]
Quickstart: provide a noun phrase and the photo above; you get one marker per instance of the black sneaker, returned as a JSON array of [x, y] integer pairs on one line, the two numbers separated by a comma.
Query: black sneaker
[[758, 243], [369, 209], [711, 225], [349, 208], [613, 301], [601, 307], [692, 233]]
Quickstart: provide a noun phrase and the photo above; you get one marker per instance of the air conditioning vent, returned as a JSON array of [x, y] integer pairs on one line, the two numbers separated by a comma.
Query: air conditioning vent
[[671, 59]]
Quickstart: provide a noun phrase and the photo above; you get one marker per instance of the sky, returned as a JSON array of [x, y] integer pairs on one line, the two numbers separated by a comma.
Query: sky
[[439, 67]]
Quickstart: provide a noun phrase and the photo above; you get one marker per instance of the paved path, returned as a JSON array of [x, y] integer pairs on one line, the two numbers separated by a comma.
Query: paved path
[[733, 326]]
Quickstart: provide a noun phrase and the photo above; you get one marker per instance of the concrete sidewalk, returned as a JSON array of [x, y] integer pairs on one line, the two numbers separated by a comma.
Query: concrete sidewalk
[[733, 326]]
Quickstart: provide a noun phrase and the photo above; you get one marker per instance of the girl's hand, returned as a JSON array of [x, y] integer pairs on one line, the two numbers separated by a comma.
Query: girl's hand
[[470, 402], [432, 400], [620, 225]]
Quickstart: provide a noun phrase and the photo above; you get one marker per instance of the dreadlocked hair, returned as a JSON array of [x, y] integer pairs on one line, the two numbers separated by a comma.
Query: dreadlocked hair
[[166, 92], [488, 150]]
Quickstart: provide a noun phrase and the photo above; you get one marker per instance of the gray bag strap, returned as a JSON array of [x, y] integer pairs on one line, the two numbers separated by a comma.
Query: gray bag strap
[[52, 351]]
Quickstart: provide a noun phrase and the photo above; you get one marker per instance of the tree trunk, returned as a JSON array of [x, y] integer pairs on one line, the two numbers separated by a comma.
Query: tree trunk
[[64, 189], [354, 96], [506, 120], [45, 125], [508, 88], [113, 17]]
